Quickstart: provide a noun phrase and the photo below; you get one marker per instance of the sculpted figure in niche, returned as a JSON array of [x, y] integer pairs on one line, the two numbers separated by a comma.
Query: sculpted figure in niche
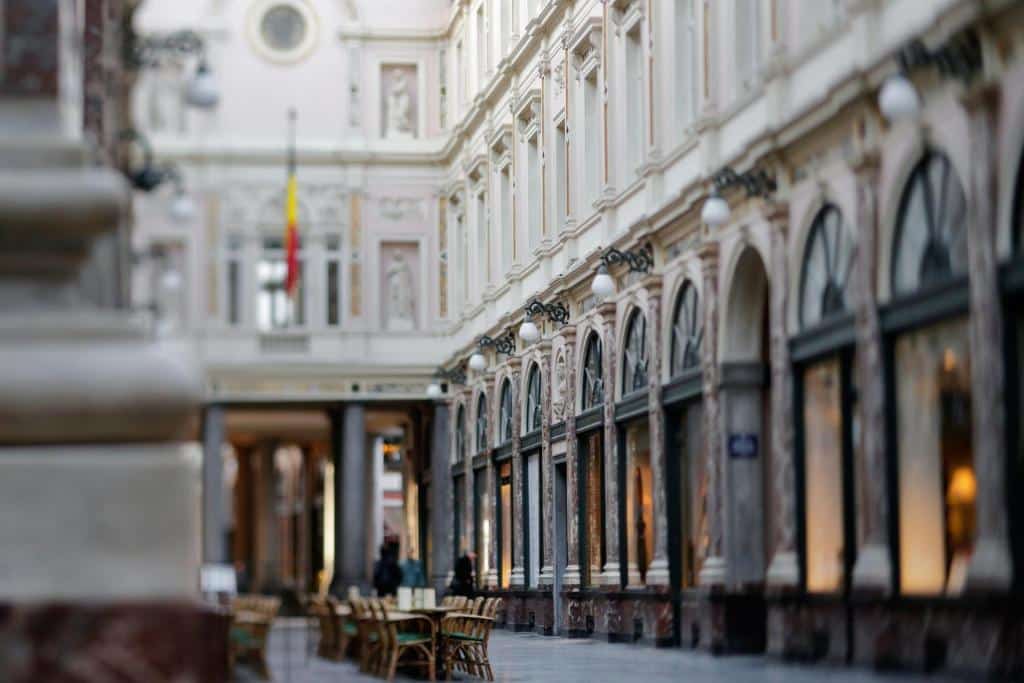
[[401, 315], [399, 107]]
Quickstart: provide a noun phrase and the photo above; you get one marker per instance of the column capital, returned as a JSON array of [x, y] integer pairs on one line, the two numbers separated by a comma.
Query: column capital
[[653, 284], [708, 253], [606, 309]]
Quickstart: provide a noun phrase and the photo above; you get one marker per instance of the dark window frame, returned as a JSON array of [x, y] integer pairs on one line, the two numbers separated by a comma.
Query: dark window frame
[[592, 392], [534, 408], [505, 425], [832, 298], [635, 363], [686, 342], [481, 423]]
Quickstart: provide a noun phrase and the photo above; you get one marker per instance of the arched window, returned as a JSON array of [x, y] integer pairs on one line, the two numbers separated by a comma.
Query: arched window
[[634, 367], [460, 436], [931, 375], [687, 331], [533, 406], [481, 423], [505, 413], [828, 260], [593, 381], [931, 232]]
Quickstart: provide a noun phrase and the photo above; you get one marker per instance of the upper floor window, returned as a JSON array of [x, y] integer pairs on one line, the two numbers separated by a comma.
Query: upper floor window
[[828, 260], [505, 413], [931, 235], [533, 401], [593, 379], [274, 308], [481, 423], [686, 59], [460, 436], [748, 41], [634, 366], [687, 331]]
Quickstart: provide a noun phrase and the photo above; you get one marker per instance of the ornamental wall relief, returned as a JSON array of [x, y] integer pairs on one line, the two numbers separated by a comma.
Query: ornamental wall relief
[[558, 389], [399, 274]]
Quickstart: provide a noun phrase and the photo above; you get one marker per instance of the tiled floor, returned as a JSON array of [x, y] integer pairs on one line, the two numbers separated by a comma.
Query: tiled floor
[[536, 658]]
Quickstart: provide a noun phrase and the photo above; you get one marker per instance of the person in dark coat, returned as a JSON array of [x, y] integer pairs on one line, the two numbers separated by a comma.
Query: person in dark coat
[[462, 581], [387, 575]]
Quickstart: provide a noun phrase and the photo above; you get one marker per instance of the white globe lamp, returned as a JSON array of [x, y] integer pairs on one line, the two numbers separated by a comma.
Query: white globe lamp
[[898, 99], [182, 208], [477, 362], [529, 332], [434, 390], [171, 281], [603, 285], [716, 211], [202, 91]]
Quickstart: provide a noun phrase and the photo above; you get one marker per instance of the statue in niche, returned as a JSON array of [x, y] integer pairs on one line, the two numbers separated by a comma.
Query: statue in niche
[[401, 315], [399, 108]]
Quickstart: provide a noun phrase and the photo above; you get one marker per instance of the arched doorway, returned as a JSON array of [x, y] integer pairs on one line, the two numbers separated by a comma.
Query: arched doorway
[[746, 414]]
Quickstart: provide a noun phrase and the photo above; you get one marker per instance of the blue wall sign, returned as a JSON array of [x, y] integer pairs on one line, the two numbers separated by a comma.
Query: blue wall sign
[[743, 446]]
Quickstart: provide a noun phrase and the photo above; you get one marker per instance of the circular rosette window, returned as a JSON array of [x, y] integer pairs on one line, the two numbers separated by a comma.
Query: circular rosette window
[[283, 31]]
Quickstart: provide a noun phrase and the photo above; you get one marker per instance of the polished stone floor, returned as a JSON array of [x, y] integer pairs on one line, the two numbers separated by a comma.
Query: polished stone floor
[[519, 657]]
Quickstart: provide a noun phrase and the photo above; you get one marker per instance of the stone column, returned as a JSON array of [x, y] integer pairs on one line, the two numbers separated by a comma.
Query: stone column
[[872, 571], [572, 578], [784, 570], [658, 572], [611, 574], [517, 578], [490, 475], [214, 541], [351, 472], [714, 569], [547, 469], [991, 565], [441, 497], [267, 572]]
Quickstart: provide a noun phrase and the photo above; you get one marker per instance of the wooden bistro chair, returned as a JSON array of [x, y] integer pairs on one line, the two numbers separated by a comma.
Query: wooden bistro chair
[[465, 636], [253, 617], [409, 642], [367, 635]]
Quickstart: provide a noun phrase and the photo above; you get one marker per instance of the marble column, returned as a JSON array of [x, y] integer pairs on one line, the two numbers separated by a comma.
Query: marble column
[[352, 473], [572, 577], [547, 469], [441, 497], [214, 539], [658, 571], [714, 569], [611, 574], [991, 565], [490, 476], [783, 570], [872, 571], [517, 578], [268, 534]]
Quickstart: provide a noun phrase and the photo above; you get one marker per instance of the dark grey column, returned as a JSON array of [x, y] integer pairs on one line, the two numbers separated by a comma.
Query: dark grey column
[[214, 545], [351, 463], [441, 496]]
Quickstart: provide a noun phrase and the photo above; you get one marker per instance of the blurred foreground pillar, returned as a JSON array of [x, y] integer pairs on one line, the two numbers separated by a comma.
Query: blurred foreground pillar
[[441, 556], [99, 487]]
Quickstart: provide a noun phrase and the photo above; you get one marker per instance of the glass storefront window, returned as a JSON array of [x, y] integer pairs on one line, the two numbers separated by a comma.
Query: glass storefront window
[[937, 484], [639, 502], [532, 516], [592, 393], [505, 523], [634, 359], [823, 481], [481, 526], [693, 494]]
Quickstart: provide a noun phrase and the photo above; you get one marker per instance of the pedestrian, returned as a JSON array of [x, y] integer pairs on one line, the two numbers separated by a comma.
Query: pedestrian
[[387, 575], [462, 582], [412, 573]]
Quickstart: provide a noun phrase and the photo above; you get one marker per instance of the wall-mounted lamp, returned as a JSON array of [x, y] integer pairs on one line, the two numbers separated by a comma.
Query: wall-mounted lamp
[[149, 176], [960, 57], [505, 344], [757, 183], [639, 261], [201, 91], [556, 312], [454, 376]]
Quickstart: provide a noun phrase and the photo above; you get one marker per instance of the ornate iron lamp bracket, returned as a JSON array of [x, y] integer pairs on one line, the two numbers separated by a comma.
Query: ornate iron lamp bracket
[[639, 261], [959, 57], [757, 182], [556, 312], [456, 375], [505, 344]]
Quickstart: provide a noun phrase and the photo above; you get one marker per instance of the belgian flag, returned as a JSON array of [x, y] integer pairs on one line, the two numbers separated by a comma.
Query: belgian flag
[[291, 235]]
